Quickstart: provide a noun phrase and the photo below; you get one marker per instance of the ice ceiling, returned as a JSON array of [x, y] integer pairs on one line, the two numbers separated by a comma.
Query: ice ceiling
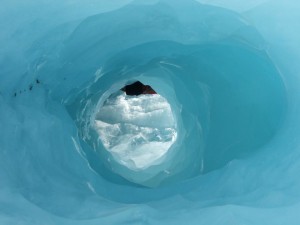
[[228, 69]]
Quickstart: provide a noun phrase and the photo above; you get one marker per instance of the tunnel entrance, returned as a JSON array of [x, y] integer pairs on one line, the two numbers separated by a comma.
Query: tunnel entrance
[[136, 126]]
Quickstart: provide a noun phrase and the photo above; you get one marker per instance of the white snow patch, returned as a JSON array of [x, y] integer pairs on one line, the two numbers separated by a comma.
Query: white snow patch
[[137, 130]]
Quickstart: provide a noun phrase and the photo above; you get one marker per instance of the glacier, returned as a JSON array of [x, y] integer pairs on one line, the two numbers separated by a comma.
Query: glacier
[[229, 72]]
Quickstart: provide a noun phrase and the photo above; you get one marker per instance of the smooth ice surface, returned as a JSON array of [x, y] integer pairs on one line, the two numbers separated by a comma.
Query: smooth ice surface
[[230, 72], [137, 130]]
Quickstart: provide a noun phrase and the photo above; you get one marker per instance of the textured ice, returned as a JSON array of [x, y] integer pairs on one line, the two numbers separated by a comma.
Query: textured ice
[[230, 72], [137, 130]]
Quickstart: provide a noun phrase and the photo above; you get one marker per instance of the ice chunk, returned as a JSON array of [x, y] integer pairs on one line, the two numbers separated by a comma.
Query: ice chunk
[[136, 130]]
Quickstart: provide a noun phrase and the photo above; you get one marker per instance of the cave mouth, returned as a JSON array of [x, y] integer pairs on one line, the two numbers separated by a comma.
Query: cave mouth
[[136, 126]]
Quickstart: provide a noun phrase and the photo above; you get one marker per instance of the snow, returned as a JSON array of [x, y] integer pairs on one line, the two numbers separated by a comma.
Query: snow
[[137, 130]]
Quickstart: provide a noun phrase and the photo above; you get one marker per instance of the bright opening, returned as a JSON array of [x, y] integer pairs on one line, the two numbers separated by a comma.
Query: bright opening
[[136, 125]]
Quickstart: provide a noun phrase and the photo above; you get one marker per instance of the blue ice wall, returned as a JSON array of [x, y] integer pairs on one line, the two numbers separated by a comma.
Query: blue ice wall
[[229, 71]]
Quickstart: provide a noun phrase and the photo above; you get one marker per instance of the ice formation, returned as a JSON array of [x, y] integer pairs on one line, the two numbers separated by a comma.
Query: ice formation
[[229, 71], [137, 130]]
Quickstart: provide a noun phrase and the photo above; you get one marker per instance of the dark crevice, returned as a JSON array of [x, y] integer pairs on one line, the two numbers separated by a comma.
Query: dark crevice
[[138, 88]]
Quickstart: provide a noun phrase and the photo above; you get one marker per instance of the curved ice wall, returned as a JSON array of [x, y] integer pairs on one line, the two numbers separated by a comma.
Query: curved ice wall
[[229, 71]]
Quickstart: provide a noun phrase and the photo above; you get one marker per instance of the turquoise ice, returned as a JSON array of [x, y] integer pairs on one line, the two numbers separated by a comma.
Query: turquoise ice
[[228, 69]]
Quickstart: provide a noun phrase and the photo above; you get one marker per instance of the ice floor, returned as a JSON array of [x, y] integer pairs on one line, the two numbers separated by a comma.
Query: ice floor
[[222, 139]]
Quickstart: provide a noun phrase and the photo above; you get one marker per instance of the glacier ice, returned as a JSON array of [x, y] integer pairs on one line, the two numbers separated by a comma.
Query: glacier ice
[[229, 71], [138, 131]]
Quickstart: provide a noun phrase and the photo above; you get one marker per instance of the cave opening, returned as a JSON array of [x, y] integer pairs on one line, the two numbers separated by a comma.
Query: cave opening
[[136, 126]]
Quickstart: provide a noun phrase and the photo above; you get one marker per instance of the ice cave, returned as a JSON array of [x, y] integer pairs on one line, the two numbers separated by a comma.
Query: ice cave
[[149, 112]]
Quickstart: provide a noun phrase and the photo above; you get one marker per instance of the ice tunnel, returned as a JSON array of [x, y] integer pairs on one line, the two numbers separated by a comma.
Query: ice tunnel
[[149, 112]]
